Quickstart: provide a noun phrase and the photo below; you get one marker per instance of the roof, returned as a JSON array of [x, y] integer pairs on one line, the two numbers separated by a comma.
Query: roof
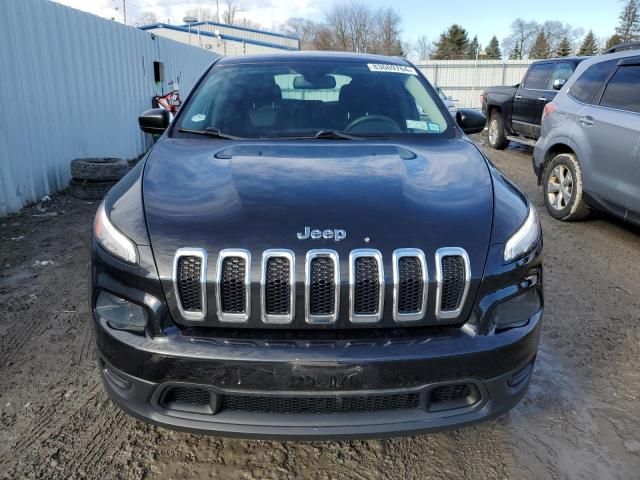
[[313, 56], [246, 29], [562, 59], [223, 36]]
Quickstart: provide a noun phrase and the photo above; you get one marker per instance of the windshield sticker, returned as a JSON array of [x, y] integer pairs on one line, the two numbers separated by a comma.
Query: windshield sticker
[[387, 67], [199, 117], [434, 127], [417, 125]]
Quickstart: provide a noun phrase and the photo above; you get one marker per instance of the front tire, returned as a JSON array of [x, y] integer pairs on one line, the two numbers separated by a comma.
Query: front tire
[[497, 135], [563, 190]]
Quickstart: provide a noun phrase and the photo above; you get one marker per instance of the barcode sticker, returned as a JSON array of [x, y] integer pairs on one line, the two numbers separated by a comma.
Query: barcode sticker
[[389, 68]]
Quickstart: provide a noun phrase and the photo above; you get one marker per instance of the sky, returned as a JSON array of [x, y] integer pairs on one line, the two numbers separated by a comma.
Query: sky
[[482, 18]]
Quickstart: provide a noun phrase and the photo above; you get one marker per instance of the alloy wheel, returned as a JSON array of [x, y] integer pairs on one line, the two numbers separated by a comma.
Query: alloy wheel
[[560, 187]]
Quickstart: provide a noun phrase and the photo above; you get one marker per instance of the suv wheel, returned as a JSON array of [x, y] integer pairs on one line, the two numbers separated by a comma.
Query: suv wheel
[[497, 136], [562, 183]]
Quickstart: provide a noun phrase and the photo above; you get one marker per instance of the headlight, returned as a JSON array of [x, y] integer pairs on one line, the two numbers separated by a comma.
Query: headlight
[[525, 238], [111, 239]]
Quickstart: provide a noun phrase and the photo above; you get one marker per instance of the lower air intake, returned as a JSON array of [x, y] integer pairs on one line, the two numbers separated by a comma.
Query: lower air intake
[[320, 405], [187, 396]]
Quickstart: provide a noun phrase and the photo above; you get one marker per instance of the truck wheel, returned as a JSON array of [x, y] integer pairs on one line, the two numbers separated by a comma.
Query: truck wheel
[[99, 169], [562, 182], [497, 136], [86, 190]]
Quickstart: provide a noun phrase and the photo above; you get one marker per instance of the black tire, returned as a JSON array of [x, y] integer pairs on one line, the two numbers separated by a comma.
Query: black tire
[[575, 208], [86, 190], [498, 141], [99, 169]]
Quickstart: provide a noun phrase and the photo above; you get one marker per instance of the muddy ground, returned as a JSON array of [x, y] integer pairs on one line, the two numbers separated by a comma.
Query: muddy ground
[[580, 419]]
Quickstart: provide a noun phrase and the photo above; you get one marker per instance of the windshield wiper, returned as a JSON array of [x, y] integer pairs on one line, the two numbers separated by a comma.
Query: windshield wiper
[[335, 135], [211, 132]]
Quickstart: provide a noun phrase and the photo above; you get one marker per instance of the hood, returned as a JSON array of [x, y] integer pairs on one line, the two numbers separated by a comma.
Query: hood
[[209, 194]]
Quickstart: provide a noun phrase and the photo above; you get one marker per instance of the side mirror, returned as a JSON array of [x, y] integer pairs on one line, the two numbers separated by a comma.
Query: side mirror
[[471, 121], [558, 83], [154, 121]]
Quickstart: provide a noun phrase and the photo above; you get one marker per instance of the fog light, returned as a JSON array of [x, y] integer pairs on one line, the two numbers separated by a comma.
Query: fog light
[[120, 313], [517, 311]]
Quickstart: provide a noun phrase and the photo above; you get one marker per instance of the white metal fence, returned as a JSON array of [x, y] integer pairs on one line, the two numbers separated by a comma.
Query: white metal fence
[[72, 85], [464, 80]]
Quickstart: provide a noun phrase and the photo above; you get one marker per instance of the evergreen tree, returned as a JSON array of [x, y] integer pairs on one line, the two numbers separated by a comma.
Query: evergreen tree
[[452, 45], [516, 53], [629, 28], [540, 48], [589, 45], [613, 41], [493, 49], [473, 48], [564, 48]]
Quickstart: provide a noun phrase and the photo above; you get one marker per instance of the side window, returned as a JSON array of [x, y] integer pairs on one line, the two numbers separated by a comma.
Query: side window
[[623, 90], [563, 71], [538, 76], [587, 86]]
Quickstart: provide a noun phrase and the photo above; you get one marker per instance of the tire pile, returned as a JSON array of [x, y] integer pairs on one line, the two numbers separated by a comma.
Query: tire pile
[[92, 178]]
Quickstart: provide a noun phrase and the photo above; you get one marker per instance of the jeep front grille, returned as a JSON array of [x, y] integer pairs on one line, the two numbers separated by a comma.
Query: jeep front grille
[[453, 278], [322, 281], [322, 286], [410, 284], [233, 297], [189, 280]]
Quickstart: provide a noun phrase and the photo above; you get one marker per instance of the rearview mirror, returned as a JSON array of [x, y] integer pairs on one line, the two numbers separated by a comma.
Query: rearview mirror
[[319, 82], [558, 83], [471, 121], [154, 121]]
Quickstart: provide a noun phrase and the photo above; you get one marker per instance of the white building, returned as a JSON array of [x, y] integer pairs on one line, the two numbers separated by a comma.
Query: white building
[[225, 39]]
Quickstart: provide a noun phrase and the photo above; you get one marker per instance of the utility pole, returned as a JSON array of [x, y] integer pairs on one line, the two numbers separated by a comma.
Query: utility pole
[[124, 11]]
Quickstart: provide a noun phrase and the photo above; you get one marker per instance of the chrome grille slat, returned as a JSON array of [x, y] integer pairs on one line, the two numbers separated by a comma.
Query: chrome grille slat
[[366, 286], [410, 285], [233, 281], [190, 282], [278, 286], [322, 286], [453, 278]]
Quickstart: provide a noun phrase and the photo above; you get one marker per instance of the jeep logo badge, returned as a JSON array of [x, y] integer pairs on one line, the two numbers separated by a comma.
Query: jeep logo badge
[[315, 234]]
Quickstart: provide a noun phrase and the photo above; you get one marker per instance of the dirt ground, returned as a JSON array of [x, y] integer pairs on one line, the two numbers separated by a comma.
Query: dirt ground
[[580, 419]]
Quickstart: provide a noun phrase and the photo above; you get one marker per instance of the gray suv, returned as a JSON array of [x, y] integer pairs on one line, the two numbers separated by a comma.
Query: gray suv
[[587, 156]]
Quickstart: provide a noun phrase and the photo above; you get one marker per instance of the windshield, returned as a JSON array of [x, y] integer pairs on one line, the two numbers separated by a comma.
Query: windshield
[[292, 100]]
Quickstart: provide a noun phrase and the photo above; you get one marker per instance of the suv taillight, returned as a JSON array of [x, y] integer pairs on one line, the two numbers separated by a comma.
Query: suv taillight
[[549, 108]]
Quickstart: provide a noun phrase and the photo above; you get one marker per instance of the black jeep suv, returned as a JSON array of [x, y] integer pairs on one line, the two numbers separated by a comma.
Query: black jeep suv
[[315, 249]]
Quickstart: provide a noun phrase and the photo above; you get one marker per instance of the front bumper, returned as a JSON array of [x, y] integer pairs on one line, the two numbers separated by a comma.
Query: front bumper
[[137, 369]]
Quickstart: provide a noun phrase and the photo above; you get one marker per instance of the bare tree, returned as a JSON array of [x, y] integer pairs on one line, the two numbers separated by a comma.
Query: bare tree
[[558, 34], [307, 31], [201, 13], [338, 25], [354, 26], [521, 38], [422, 48], [146, 18], [231, 9], [388, 40]]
